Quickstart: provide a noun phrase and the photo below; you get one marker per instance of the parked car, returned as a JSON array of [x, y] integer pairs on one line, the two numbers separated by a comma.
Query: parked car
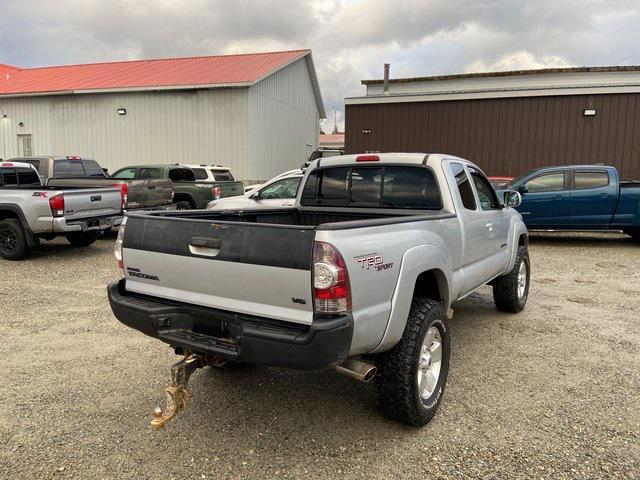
[[500, 183], [188, 193], [579, 197], [211, 173], [359, 276], [31, 211], [72, 170], [278, 192]]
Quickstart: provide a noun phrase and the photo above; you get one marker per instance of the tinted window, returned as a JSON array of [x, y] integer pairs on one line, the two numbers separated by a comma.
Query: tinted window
[[35, 163], [486, 193], [550, 182], [150, 173], [402, 187], [410, 187], [92, 169], [68, 169], [285, 188], [464, 186], [333, 186], [127, 173], [27, 176], [584, 180], [181, 174], [222, 176], [9, 176], [200, 173], [365, 185]]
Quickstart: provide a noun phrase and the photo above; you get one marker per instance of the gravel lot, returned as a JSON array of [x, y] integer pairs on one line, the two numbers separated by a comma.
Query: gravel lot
[[549, 393]]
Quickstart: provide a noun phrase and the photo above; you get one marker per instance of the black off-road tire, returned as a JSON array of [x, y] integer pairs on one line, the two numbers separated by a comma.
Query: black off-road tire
[[13, 241], [184, 205], [82, 239], [505, 287], [397, 378]]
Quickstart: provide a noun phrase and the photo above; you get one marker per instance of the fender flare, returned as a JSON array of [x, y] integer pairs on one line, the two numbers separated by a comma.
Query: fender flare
[[416, 260], [518, 228]]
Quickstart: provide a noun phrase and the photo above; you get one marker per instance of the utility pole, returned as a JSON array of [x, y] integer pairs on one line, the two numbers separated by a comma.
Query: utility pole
[[335, 121]]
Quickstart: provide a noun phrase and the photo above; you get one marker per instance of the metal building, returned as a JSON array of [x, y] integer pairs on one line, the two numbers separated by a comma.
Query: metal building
[[256, 113], [507, 122]]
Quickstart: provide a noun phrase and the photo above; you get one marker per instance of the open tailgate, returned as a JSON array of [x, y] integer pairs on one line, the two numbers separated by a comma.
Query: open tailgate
[[249, 268]]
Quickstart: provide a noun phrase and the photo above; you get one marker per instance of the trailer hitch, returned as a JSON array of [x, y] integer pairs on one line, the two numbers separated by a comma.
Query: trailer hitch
[[177, 392]]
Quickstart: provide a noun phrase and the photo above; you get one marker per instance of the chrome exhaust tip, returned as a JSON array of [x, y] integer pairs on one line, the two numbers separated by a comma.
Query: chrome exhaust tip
[[357, 369]]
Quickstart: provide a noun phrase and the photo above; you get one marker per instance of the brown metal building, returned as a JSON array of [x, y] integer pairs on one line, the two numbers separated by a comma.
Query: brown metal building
[[507, 122]]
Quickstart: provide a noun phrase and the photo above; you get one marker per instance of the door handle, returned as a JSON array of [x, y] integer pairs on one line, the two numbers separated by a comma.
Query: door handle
[[205, 242], [489, 225]]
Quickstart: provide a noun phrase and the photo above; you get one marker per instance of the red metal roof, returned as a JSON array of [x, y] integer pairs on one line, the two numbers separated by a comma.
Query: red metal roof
[[145, 74], [337, 138]]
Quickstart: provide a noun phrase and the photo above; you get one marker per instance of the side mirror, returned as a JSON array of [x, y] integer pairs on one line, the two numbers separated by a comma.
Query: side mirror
[[255, 196], [524, 188], [512, 199]]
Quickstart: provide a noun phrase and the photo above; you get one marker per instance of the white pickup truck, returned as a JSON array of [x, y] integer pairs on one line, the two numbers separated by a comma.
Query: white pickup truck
[[360, 276], [30, 211]]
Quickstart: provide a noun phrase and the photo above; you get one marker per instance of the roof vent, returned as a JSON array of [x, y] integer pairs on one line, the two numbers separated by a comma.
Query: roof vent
[[386, 79]]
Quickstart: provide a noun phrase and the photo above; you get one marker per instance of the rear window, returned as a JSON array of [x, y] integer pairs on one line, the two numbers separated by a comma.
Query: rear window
[[181, 174], [378, 187], [35, 163], [222, 176], [18, 176], [200, 173], [76, 168]]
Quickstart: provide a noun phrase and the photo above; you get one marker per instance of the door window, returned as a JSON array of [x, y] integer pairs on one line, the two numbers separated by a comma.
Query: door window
[[282, 189], [126, 173], [150, 173], [584, 180], [464, 186], [486, 193], [550, 182]]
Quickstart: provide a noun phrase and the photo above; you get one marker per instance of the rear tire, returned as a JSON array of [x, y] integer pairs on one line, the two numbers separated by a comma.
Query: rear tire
[[412, 375], [510, 291], [13, 241], [184, 205], [82, 239]]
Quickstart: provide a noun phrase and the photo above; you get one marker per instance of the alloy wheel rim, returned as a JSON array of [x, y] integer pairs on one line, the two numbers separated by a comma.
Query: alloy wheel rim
[[429, 363], [8, 241], [522, 279]]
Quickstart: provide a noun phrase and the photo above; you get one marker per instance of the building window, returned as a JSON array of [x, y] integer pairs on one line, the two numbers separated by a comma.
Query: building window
[[24, 146]]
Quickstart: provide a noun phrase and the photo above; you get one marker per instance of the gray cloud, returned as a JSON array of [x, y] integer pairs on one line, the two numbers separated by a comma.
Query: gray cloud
[[350, 39]]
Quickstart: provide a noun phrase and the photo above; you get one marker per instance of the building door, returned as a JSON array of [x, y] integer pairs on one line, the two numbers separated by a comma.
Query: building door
[[24, 145]]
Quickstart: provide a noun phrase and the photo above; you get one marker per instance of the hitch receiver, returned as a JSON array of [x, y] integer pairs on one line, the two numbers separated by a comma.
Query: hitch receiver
[[177, 392]]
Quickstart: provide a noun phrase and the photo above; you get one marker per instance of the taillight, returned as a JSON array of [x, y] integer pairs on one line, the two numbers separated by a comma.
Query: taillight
[[331, 290], [56, 204], [215, 192], [123, 193], [117, 249]]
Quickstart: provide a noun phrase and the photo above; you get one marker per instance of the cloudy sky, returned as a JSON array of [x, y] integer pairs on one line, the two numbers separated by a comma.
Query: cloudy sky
[[350, 39]]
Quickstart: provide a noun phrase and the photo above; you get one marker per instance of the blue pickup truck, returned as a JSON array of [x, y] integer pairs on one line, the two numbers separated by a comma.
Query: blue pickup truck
[[579, 197]]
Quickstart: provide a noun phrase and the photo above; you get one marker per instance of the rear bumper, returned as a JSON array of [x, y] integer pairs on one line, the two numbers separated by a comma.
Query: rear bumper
[[62, 225], [232, 336]]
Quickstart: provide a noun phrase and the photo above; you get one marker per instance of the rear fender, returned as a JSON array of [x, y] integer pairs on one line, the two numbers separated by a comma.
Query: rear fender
[[415, 261], [518, 228]]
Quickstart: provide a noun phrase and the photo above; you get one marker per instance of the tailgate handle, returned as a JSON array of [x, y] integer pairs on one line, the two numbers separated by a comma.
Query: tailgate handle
[[205, 242]]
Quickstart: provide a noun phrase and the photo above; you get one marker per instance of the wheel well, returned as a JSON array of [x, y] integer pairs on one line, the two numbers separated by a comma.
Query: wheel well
[[523, 241], [5, 214], [183, 197], [429, 285]]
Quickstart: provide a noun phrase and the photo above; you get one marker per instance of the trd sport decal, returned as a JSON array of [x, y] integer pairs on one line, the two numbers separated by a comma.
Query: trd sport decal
[[373, 261]]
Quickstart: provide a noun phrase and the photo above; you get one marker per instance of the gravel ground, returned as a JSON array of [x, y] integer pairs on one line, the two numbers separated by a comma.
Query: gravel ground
[[549, 393]]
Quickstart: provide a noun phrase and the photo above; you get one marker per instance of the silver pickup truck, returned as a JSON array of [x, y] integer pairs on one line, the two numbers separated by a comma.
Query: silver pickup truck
[[360, 276], [30, 211]]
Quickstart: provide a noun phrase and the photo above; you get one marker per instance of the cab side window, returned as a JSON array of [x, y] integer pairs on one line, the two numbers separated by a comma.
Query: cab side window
[[464, 186], [585, 180], [486, 193], [127, 173], [549, 182]]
